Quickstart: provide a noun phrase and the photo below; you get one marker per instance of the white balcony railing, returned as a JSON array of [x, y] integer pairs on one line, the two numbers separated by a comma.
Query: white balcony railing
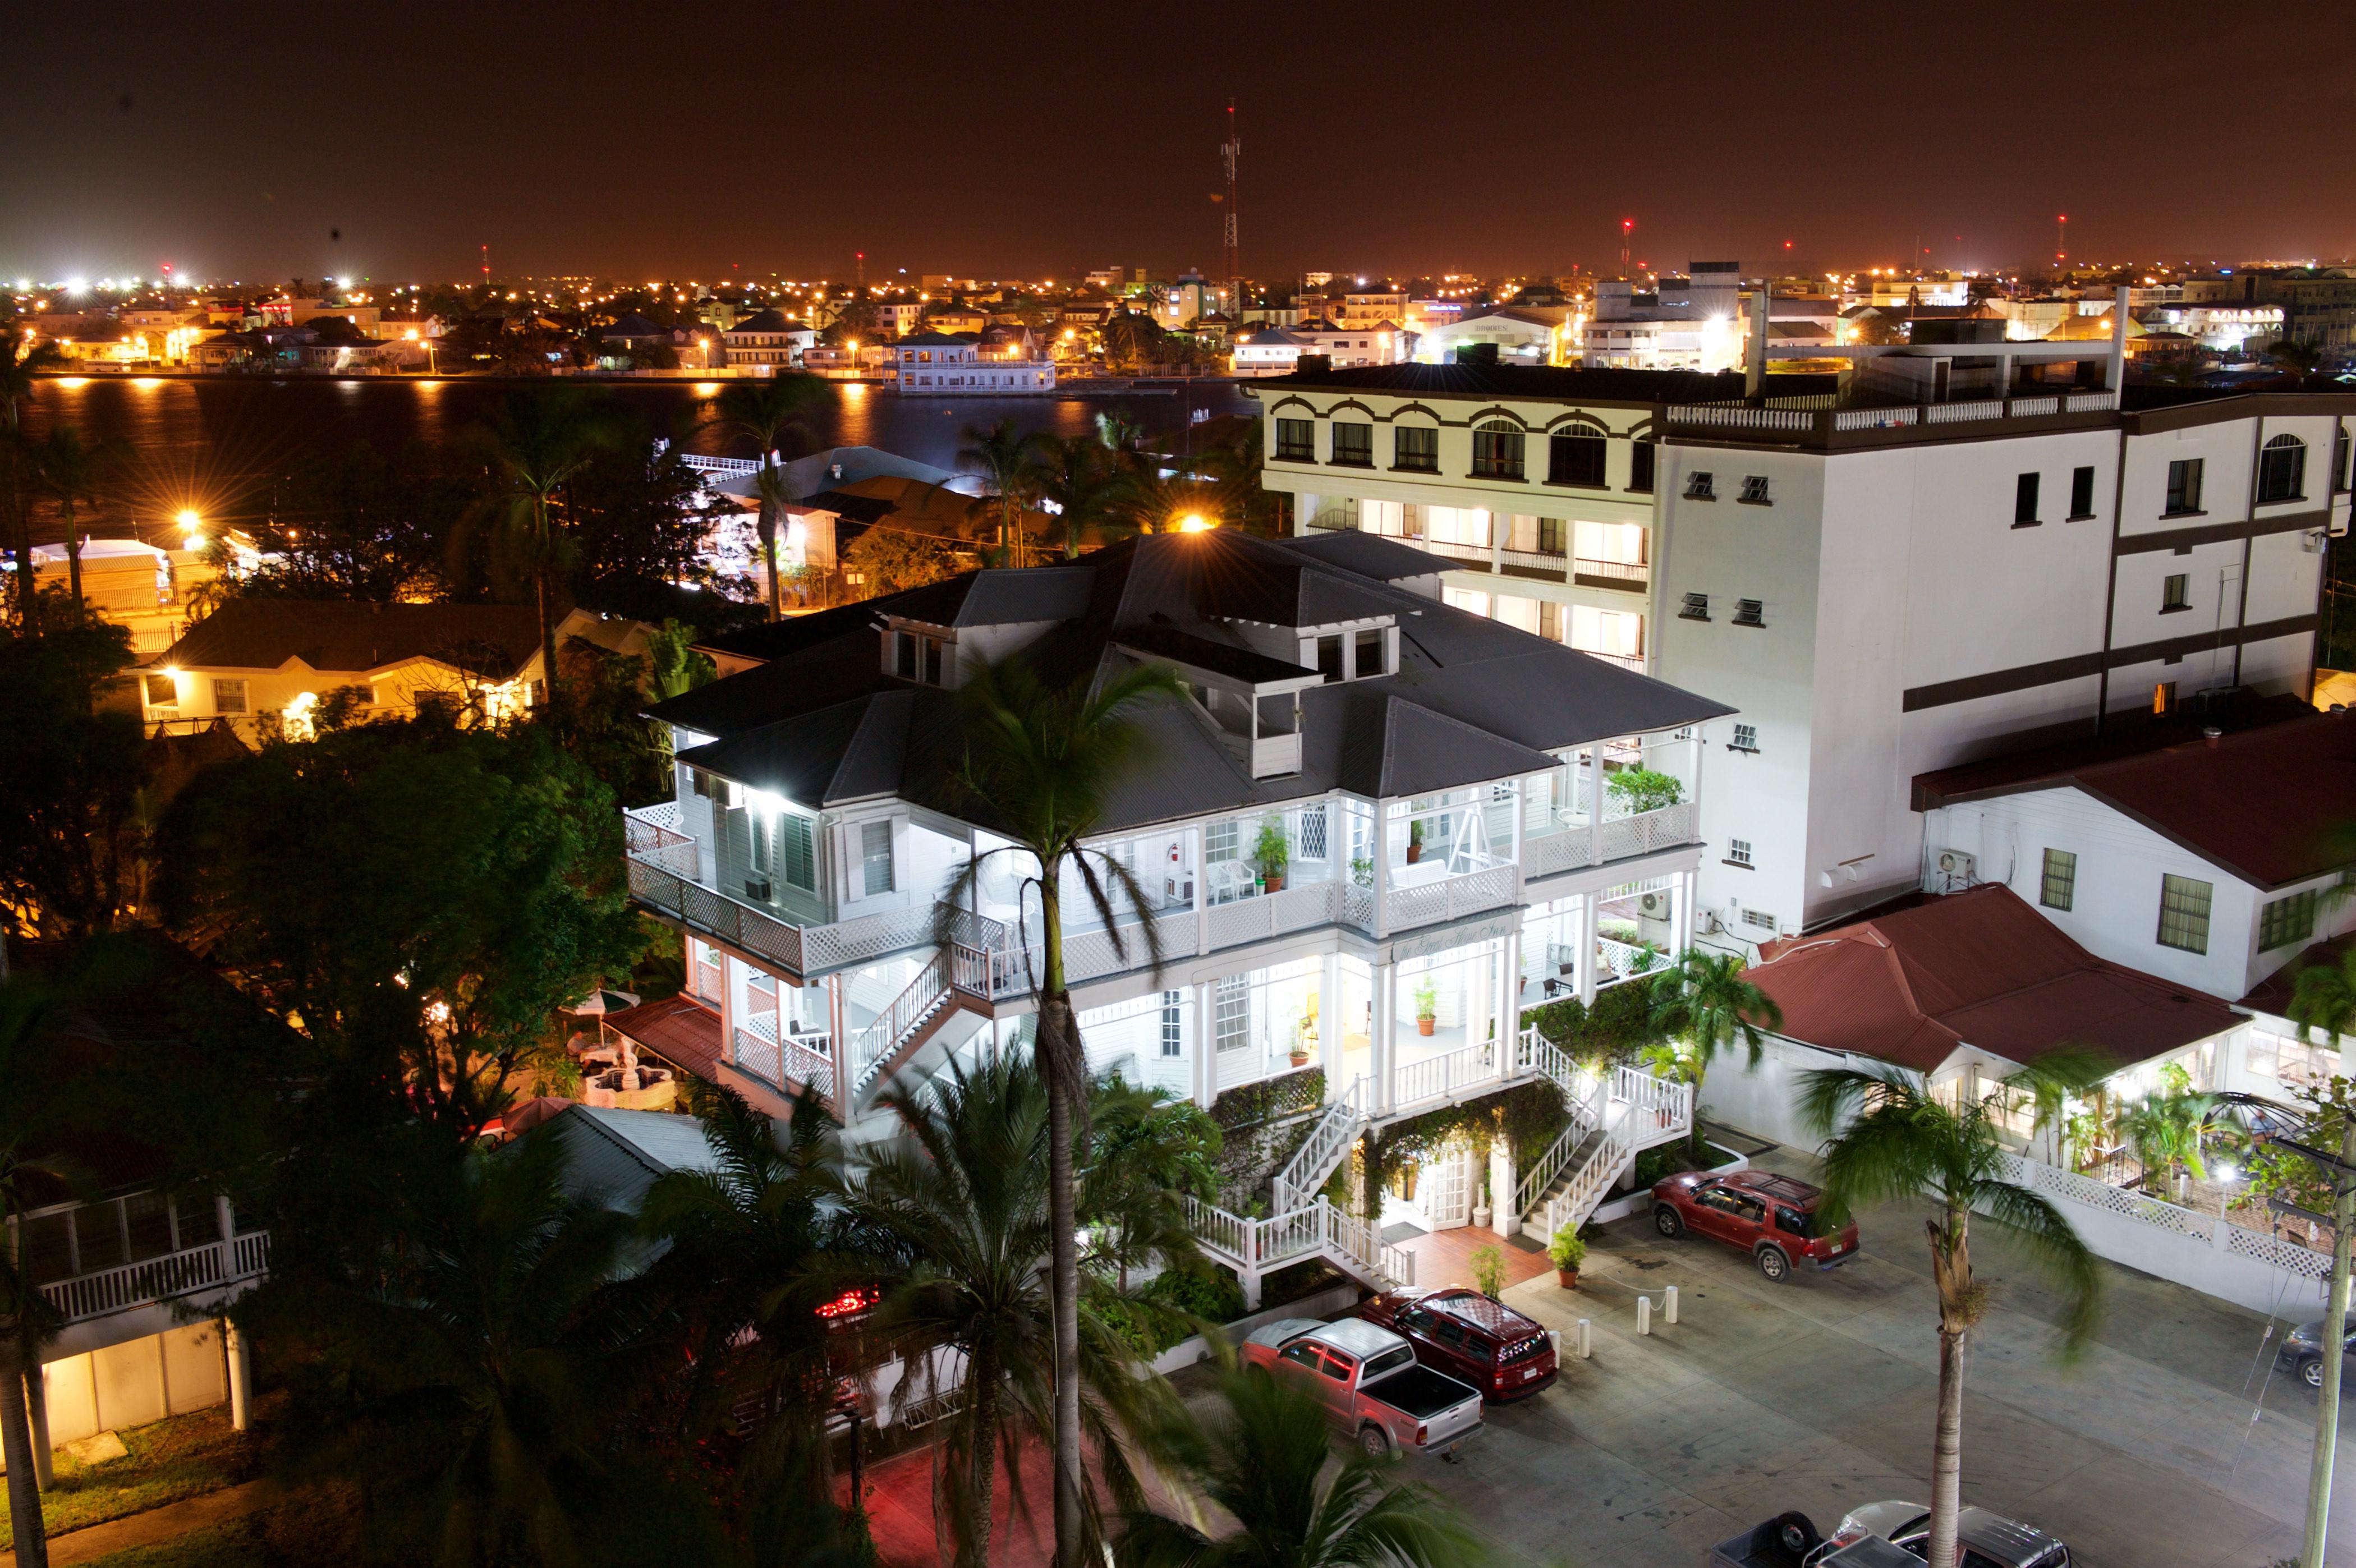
[[1450, 898], [1448, 1075], [211, 1266]]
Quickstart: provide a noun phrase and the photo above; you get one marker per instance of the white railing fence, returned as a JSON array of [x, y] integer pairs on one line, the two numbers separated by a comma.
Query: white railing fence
[[1336, 1130], [1255, 1247], [1440, 1077], [212, 1266]]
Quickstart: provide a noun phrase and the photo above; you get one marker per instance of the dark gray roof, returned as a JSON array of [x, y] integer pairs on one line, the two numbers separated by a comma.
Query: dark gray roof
[[768, 321], [612, 1157], [350, 636], [1474, 700], [1368, 555], [1220, 658]]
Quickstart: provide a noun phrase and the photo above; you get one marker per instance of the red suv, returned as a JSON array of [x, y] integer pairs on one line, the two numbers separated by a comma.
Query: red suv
[[1773, 1218], [1470, 1337]]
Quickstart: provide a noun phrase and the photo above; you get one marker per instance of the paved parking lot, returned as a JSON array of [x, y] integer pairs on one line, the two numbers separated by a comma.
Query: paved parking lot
[[1818, 1394]]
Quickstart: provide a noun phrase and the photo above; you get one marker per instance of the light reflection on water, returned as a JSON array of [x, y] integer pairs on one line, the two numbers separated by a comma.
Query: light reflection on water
[[207, 443]]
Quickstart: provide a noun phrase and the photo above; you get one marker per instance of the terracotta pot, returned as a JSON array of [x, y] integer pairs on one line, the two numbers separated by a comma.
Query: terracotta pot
[[1567, 1278], [1414, 853], [1423, 1026], [1275, 882], [1301, 1059]]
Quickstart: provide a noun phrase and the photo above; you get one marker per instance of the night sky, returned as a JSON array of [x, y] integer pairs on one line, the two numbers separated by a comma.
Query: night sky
[[268, 141]]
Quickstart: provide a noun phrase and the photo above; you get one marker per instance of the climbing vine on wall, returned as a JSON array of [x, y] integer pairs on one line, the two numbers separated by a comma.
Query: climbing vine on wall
[[1608, 1034], [1528, 1116]]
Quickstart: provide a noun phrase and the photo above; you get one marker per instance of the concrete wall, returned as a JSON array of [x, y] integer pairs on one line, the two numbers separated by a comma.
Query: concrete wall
[[133, 1384]]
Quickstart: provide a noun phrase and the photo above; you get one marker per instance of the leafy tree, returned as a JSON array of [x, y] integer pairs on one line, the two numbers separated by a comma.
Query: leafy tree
[[2295, 356], [773, 413], [1889, 1139], [1706, 1001], [467, 1381], [539, 442], [31, 1175], [890, 560], [1147, 1152], [961, 1200], [73, 772], [1261, 1456], [1045, 760], [19, 366], [421, 897], [354, 523]]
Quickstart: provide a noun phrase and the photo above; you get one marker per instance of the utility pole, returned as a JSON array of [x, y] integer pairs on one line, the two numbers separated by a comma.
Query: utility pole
[[2335, 1332], [1230, 150]]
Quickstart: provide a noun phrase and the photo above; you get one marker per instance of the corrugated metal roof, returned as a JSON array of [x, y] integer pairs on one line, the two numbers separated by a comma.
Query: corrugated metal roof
[[349, 636], [612, 1157]]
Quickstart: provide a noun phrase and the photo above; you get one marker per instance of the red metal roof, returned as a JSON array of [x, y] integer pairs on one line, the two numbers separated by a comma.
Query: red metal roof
[[1979, 969], [2272, 805], [680, 1030]]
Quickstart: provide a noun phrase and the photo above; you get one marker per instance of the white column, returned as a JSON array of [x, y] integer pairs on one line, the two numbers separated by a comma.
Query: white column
[[240, 1376], [1521, 830], [1202, 893], [1681, 913], [1583, 963], [1206, 1067], [1595, 803], [1509, 1001], [1329, 1025], [1381, 853], [1384, 1046]]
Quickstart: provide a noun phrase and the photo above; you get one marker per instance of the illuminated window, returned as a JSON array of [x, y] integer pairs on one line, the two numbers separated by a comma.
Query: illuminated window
[[1497, 451], [1354, 444], [1416, 448], [2183, 485], [2184, 914], [163, 691], [2058, 887], [1296, 441], [228, 697]]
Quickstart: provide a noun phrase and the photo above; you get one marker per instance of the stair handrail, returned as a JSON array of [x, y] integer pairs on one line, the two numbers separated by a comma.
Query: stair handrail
[[1578, 1201], [873, 1045], [1337, 1129]]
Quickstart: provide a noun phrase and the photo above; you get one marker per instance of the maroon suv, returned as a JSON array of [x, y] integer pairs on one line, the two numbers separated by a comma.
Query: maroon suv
[[1773, 1218], [1470, 1337]]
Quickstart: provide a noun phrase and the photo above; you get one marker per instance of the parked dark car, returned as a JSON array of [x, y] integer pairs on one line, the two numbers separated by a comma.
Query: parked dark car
[[1470, 1337], [1987, 1540], [1773, 1218], [2302, 1352]]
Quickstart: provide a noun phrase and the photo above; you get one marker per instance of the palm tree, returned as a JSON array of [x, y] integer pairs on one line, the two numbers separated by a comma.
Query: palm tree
[[2323, 997], [1003, 460], [485, 1386], [1148, 1151], [962, 1198], [749, 1263], [1046, 759], [538, 443], [1075, 473], [2168, 1131], [771, 413], [28, 1177], [1706, 1001], [19, 366], [1150, 504], [1262, 1457], [2294, 357], [1889, 1139], [68, 470]]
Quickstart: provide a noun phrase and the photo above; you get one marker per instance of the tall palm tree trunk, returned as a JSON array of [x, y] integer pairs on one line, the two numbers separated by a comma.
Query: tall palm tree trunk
[[1951, 1270], [767, 526], [73, 560], [982, 1376], [17, 1448], [1060, 1047], [547, 617]]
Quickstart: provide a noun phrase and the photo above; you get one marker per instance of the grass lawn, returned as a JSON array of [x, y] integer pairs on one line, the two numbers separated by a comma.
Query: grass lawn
[[181, 1456], [308, 1530]]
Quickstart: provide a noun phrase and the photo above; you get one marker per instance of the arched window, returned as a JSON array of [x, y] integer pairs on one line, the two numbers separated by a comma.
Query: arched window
[[2282, 469], [1497, 450]]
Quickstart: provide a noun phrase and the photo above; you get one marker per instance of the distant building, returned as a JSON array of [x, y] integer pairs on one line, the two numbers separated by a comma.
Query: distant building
[[1521, 334], [953, 364], [769, 341]]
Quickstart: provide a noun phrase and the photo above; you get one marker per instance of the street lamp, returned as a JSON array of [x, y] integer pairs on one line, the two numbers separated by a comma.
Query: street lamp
[[191, 529], [1195, 523]]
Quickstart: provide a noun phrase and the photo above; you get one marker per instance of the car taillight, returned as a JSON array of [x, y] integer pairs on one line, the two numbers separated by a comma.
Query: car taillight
[[1422, 1433]]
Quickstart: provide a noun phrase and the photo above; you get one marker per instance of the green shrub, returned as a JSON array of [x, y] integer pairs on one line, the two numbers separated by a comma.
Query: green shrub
[[1206, 1290], [1567, 1250], [1643, 789]]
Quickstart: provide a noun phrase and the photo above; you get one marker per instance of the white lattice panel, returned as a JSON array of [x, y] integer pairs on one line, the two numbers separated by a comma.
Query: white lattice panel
[[2304, 1261]]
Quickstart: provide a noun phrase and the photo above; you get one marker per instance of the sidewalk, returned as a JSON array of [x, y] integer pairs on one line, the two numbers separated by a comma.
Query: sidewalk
[[166, 1524]]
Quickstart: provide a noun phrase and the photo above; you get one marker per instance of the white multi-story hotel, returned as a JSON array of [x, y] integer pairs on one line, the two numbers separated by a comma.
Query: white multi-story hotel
[[1944, 553], [1376, 828]]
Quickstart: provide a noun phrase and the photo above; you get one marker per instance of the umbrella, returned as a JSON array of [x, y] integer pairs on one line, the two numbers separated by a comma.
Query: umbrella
[[602, 1001]]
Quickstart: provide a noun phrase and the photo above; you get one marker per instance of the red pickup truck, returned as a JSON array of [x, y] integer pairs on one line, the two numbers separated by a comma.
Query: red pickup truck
[[1470, 1337]]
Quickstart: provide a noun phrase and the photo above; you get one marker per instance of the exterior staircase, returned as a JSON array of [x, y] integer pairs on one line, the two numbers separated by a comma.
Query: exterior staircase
[[1257, 1248], [1613, 1118], [913, 1019]]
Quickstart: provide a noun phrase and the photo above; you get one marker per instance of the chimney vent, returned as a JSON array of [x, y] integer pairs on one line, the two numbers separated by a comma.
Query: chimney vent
[[2212, 735]]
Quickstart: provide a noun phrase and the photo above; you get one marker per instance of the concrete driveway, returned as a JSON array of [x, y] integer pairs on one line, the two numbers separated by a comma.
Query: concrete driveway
[[2166, 1444]]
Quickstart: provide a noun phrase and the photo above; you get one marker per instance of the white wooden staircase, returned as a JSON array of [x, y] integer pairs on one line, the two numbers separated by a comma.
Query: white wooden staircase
[[1614, 1117]]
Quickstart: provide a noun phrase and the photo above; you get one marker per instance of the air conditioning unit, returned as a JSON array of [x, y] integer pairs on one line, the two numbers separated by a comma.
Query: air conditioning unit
[[1654, 906], [758, 887], [1955, 868]]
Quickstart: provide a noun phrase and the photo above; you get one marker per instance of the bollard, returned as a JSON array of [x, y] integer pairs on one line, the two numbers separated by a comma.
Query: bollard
[[1643, 1314], [1554, 1339], [1669, 1305], [1586, 1339]]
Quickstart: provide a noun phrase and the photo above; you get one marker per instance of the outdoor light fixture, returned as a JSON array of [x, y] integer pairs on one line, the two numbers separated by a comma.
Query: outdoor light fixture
[[1195, 523]]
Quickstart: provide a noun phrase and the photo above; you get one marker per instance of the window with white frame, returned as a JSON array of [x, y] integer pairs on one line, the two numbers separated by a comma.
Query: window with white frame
[[1370, 653], [1746, 737], [1174, 1023], [1615, 634], [875, 856], [1310, 837], [2056, 884], [2184, 914], [1739, 851], [1231, 1013], [1220, 841], [2287, 920]]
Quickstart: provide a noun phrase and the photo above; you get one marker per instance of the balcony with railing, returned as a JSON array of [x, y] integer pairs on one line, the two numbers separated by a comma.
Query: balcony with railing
[[96, 1261], [1624, 576]]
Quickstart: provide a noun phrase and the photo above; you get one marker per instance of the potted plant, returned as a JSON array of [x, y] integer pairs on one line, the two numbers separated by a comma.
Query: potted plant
[[1641, 789], [1305, 1038], [1270, 852], [1427, 1005], [1414, 842], [1488, 1271], [1566, 1252]]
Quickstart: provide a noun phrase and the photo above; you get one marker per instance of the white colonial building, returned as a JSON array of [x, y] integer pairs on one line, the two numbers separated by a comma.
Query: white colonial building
[[970, 365], [1376, 831]]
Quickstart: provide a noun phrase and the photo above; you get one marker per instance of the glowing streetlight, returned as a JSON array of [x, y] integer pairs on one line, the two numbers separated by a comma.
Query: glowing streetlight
[[1195, 523], [191, 529]]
